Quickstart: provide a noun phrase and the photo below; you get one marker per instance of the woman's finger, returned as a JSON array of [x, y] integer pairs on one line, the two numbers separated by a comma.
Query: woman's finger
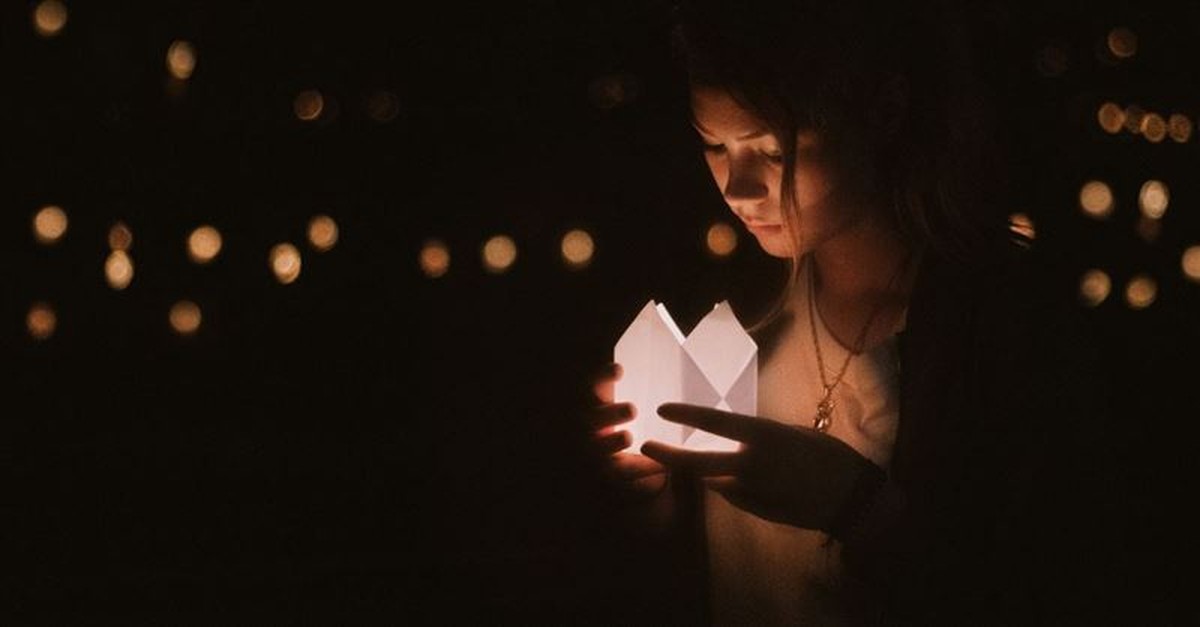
[[614, 442], [738, 427], [611, 414], [605, 380], [703, 463], [633, 466]]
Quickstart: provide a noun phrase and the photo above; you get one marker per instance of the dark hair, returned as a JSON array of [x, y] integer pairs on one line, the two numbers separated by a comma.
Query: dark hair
[[825, 66]]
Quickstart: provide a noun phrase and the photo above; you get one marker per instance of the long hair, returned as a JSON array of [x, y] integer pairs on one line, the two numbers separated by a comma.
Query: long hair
[[824, 67]]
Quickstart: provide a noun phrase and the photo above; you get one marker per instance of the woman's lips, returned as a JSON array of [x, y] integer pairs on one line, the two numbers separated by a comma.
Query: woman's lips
[[760, 227]]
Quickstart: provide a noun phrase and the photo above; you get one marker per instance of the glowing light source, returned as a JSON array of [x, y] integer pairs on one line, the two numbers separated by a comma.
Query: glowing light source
[[1122, 42], [181, 59], [434, 259], [49, 224], [383, 106], [118, 269], [1022, 224], [322, 233], [185, 317], [577, 249], [204, 244], [308, 105], [285, 262], [1111, 117], [499, 253], [1133, 118], [1180, 127], [1191, 263], [1154, 128], [41, 321], [1094, 287], [120, 237], [1154, 199], [1096, 199], [1141, 292], [721, 239], [49, 18]]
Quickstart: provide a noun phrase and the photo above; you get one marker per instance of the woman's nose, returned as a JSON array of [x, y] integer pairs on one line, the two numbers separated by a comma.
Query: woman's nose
[[746, 183]]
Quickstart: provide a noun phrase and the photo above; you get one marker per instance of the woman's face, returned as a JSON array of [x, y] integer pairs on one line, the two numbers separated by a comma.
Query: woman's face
[[747, 165]]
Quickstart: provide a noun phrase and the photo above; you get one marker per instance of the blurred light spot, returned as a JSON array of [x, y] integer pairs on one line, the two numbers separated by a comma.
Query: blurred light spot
[[49, 224], [120, 237], [612, 91], [118, 269], [1133, 118], [1180, 128], [1122, 42], [49, 18], [383, 106], [1021, 224], [322, 233], [1148, 228], [1096, 199], [181, 59], [204, 244], [577, 249], [308, 105], [721, 239], [434, 259], [185, 317], [1052, 61], [41, 321], [1154, 199], [1154, 127], [1191, 263], [1111, 117], [1094, 287], [499, 253], [285, 263], [1141, 292]]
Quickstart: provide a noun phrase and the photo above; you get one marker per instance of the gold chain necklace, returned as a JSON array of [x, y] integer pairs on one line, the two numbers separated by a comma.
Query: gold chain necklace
[[825, 406]]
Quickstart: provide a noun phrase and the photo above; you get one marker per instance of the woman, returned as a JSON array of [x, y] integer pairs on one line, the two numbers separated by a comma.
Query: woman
[[914, 389]]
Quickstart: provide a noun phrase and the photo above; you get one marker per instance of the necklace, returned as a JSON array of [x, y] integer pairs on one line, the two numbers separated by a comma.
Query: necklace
[[825, 406]]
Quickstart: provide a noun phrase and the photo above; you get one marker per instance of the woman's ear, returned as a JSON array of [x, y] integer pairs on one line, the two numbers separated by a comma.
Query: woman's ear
[[891, 104]]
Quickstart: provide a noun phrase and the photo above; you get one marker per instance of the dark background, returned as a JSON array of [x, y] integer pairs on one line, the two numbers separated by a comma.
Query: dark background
[[369, 443]]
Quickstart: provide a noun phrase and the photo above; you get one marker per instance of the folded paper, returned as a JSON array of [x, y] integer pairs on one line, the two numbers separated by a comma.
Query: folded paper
[[715, 366]]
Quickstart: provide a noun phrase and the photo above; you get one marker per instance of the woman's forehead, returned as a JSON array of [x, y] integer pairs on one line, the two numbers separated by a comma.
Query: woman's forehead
[[715, 111]]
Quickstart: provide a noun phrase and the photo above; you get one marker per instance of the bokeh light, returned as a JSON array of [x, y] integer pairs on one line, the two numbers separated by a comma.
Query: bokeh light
[[49, 224], [1051, 61], [721, 240], [1111, 117], [1154, 128], [383, 106], [322, 233], [1153, 199], [181, 59], [1141, 292], [204, 244], [118, 270], [608, 92], [1179, 126], [1148, 229], [434, 259], [1022, 224], [308, 105], [1191, 263], [41, 321], [577, 249], [185, 317], [1094, 287], [1096, 199], [1122, 42], [1133, 118], [499, 254], [285, 262], [49, 18], [120, 237]]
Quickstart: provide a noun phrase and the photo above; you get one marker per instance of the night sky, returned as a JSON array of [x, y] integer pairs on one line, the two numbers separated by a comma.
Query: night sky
[[378, 442]]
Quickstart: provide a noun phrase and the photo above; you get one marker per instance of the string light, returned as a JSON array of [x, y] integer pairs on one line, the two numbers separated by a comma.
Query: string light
[[577, 249], [1141, 292], [41, 321], [204, 244], [1122, 42], [721, 239], [434, 259], [1154, 128], [49, 18], [1111, 117], [285, 263], [1133, 118], [1153, 199], [1022, 224], [1180, 128], [120, 237], [185, 317], [1094, 287], [49, 224], [181, 59], [308, 105], [118, 269], [1190, 262], [322, 233], [499, 254], [1096, 199]]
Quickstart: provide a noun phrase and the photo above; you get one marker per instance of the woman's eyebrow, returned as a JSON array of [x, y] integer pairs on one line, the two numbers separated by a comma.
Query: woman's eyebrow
[[750, 135]]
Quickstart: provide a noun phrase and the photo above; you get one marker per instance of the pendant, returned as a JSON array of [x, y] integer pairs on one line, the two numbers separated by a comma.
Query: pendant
[[824, 415]]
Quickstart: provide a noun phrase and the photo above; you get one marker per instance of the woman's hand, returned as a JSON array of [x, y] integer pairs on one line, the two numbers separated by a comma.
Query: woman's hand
[[635, 476], [786, 474]]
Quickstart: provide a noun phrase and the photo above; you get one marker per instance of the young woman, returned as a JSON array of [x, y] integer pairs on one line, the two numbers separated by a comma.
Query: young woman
[[916, 394]]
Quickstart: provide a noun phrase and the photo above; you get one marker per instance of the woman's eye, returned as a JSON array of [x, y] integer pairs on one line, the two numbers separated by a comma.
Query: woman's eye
[[713, 148], [774, 155]]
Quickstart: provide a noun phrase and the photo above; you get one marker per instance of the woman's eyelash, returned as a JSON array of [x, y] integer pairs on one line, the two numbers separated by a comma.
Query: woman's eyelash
[[707, 147]]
